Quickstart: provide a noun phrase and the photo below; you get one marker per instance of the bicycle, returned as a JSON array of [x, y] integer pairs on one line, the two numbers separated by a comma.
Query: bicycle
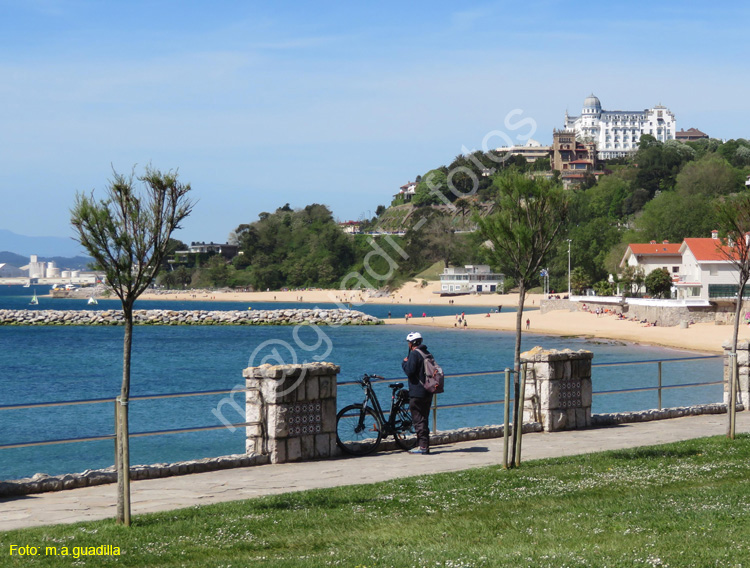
[[361, 427]]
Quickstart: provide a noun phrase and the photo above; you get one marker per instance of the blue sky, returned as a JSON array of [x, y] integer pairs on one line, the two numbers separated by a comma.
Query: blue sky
[[263, 103]]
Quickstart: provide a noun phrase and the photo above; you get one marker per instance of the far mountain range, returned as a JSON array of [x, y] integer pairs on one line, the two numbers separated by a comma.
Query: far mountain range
[[16, 249]]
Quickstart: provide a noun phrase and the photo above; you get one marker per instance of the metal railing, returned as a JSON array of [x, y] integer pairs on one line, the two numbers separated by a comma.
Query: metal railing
[[34, 405], [436, 407], [659, 388]]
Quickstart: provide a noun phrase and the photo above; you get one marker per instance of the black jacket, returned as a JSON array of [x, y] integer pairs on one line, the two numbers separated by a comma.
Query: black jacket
[[414, 369]]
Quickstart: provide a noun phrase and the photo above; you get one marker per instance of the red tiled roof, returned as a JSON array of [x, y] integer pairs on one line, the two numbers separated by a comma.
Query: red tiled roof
[[655, 248], [707, 250]]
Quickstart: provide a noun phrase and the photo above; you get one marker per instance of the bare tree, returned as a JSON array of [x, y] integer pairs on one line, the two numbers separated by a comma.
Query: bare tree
[[127, 233], [521, 233], [734, 224]]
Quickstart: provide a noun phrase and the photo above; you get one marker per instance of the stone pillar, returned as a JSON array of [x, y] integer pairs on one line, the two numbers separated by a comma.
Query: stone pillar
[[292, 411], [743, 371], [558, 388]]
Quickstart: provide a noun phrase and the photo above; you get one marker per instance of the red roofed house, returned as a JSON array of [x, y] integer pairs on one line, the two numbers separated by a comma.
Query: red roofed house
[[707, 273], [653, 255]]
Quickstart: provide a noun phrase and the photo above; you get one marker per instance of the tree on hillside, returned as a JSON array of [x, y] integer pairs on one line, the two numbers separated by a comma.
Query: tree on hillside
[[710, 176], [128, 234], [659, 163], [734, 225], [303, 247], [431, 237], [672, 216], [432, 189], [529, 220]]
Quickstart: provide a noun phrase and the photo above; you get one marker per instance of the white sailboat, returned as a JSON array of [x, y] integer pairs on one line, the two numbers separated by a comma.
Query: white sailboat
[[34, 300], [92, 301]]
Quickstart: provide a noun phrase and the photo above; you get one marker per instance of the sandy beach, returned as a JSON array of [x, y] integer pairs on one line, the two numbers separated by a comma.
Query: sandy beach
[[706, 337]]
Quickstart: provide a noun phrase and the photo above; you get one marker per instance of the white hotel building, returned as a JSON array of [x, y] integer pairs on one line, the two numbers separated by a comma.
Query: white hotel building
[[617, 132]]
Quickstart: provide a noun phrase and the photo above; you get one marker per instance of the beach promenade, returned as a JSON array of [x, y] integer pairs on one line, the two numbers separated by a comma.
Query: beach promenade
[[95, 503]]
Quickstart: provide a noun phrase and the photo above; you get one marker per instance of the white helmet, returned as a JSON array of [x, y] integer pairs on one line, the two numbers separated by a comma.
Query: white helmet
[[413, 336]]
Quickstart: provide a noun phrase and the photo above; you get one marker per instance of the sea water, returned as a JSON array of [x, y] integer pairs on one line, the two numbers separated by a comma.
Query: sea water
[[49, 363]]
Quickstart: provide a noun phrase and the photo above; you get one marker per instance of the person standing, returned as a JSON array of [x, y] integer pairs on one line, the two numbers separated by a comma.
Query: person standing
[[419, 398]]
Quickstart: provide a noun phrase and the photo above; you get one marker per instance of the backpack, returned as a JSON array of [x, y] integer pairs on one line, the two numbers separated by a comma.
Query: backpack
[[434, 379]]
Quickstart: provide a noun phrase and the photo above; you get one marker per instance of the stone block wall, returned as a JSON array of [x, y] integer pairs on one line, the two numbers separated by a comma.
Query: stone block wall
[[558, 388], [291, 410], [743, 371]]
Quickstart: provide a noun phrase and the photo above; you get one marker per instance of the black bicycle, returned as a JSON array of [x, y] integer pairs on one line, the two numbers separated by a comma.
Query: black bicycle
[[361, 427]]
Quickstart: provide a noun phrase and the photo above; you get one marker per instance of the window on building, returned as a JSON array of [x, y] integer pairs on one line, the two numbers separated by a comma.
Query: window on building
[[675, 269]]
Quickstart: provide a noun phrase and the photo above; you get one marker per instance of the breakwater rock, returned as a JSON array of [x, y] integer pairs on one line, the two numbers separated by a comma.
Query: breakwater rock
[[188, 317]]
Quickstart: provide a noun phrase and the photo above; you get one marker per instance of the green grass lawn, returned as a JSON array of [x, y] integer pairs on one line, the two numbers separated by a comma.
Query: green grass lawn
[[685, 504]]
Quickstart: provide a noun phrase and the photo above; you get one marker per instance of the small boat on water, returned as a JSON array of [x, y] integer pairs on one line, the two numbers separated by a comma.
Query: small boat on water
[[34, 300], [92, 301]]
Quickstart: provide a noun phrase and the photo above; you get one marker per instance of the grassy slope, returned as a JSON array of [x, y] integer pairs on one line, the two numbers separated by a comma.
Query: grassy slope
[[676, 505]]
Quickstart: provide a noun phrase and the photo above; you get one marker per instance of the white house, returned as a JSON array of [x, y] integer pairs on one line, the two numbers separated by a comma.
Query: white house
[[532, 150], [407, 190], [618, 132], [653, 255], [471, 279], [706, 272]]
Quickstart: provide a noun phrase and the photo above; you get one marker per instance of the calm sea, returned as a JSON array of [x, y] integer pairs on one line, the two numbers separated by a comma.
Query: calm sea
[[40, 364]]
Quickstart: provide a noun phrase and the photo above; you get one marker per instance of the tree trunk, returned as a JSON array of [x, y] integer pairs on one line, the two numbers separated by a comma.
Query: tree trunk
[[123, 463], [518, 417]]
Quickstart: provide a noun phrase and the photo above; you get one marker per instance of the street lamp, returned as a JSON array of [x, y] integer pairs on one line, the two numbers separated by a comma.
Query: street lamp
[[569, 241]]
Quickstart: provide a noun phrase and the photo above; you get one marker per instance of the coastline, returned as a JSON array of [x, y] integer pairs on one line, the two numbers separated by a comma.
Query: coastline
[[702, 337]]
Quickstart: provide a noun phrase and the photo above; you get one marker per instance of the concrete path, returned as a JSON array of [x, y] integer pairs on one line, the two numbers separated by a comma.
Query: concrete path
[[93, 503]]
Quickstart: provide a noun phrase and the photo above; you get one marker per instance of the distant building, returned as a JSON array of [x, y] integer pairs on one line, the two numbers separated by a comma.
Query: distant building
[[574, 159], [37, 269], [9, 271], [569, 154], [471, 279], [351, 227], [689, 135], [183, 256], [407, 190], [532, 150], [617, 133]]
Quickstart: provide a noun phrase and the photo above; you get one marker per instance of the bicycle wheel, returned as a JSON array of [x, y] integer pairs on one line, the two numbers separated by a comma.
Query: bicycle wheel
[[358, 430], [403, 429]]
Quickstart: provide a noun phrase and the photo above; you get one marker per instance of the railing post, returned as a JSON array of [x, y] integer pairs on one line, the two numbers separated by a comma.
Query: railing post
[[659, 385], [117, 433], [506, 425], [434, 414], [519, 416]]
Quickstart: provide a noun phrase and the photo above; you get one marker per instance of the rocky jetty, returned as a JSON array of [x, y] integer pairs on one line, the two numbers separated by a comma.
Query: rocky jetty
[[188, 317]]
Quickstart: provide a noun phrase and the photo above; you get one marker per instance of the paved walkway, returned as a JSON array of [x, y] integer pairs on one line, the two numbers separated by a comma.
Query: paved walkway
[[93, 503]]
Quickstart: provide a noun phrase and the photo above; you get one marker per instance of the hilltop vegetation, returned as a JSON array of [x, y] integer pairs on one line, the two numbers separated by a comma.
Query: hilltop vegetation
[[666, 191]]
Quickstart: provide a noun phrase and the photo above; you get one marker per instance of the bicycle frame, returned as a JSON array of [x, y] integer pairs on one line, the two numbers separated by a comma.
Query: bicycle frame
[[370, 396]]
